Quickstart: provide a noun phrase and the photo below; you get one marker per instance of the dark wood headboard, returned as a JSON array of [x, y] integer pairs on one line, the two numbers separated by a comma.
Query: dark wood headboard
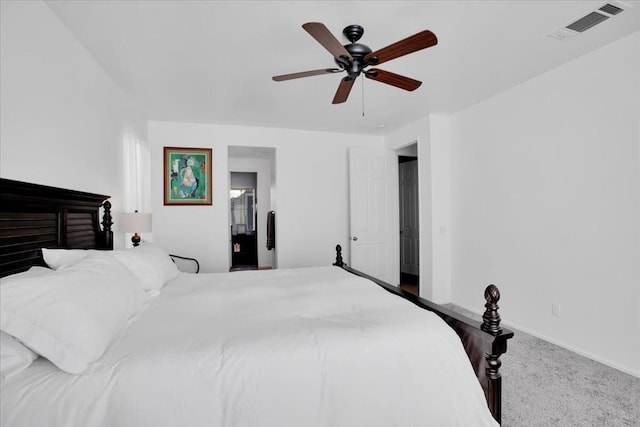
[[34, 216]]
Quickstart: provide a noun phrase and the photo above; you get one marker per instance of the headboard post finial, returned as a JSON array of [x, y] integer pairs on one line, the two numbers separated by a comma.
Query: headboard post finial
[[107, 222], [339, 262], [491, 317]]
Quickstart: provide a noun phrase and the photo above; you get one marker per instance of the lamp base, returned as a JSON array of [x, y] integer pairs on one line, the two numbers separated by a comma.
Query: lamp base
[[135, 239]]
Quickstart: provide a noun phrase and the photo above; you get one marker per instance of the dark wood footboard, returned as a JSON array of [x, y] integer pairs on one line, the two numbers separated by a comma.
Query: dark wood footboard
[[484, 342]]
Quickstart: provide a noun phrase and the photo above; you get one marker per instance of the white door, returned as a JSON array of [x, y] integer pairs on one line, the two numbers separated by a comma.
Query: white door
[[373, 194], [409, 219]]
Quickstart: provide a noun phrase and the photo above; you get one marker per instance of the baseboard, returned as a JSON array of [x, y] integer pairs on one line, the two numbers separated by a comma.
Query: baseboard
[[577, 350]]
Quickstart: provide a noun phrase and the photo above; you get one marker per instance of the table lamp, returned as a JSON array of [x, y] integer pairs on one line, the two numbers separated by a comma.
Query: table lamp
[[135, 223]]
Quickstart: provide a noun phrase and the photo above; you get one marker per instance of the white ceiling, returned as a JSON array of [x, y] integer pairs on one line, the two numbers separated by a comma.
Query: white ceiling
[[212, 61]]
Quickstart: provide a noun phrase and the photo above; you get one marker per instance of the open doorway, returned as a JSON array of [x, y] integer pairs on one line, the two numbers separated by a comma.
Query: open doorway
[[255, 166], [244, 237], [409, 216]]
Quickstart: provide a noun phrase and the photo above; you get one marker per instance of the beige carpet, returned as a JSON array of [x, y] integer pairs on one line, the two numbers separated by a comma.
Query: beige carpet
[[546, 385]]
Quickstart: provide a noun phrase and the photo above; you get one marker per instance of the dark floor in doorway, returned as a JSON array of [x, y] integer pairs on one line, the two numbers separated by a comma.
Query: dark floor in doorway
[[243, 267]]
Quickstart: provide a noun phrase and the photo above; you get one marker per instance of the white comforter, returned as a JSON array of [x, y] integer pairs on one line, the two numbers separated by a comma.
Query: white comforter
[[298, 347]]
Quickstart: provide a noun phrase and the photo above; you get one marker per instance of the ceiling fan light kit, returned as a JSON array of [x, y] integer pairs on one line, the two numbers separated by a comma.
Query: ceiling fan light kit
[[354, 58]]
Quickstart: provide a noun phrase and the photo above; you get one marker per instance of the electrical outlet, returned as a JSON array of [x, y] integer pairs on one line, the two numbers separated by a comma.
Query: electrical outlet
[[555, 309]]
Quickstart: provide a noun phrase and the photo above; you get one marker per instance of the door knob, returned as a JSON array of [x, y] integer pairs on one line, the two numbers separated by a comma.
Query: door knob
[[354, 239]]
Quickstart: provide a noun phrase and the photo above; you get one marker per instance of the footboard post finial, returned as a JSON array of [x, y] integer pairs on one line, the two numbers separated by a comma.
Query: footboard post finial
[[339, 262], [491, 324], [491, 318]]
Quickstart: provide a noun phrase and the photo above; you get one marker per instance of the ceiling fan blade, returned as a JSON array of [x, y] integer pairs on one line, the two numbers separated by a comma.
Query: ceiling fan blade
[[322, 34], [393, 79], [343, 90], [419, 41], [305, 74]]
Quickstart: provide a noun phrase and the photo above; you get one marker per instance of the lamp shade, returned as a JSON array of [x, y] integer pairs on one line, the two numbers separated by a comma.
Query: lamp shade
[[135, 222]]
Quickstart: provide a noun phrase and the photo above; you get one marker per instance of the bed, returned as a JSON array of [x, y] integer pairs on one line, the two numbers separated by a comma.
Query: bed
[[315, 346]]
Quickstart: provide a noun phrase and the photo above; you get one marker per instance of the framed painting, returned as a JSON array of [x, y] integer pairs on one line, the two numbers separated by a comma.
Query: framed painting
[[187, 176]]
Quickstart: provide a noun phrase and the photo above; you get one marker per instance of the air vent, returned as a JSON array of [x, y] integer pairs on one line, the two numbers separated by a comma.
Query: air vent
[[589, 20], [611, 9]]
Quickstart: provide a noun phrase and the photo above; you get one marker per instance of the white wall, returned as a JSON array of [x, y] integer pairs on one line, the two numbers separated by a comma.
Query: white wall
[[62, 119], [312, 188], [546, 204], [440, 207]]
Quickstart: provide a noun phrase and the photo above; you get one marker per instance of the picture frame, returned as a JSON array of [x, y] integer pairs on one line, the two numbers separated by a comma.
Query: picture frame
[[188, 176]]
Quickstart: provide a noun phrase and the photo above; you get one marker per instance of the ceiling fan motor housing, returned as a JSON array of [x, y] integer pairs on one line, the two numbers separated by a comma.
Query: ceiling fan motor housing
[[357, 51]]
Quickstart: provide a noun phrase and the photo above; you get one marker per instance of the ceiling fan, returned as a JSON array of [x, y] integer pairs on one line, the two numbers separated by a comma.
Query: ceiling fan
[[354, 58]]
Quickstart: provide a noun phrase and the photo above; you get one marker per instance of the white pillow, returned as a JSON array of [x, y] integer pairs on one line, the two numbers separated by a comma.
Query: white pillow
[[162, 260], [150, 263], [71, 316], [14, 356], [59, 258]]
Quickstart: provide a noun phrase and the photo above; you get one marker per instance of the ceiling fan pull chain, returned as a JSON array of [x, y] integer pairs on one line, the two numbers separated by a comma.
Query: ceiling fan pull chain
[[362, 96]]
